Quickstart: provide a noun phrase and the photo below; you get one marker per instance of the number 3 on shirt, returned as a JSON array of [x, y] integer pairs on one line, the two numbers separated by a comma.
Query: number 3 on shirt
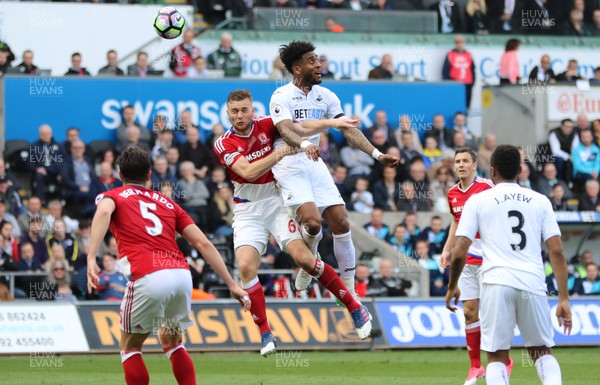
[[145, 208]]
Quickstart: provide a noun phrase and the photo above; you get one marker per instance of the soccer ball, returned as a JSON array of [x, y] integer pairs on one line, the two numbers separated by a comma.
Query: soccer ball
[[169, 23]]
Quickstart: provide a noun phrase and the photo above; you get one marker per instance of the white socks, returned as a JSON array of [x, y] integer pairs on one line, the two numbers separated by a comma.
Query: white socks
[[548, 370], [249, 284], [312, 241], [495, 374], [345, 254]]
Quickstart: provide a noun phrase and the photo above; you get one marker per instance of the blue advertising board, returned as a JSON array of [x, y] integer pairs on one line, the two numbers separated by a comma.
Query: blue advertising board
[[427, 323], [94, 105]]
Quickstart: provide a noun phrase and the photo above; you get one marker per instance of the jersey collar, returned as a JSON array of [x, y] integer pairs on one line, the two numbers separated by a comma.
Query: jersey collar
[[234, 132]]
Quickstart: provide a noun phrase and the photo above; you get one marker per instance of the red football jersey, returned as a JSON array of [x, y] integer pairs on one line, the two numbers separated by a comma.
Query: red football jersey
[[144, 224], [456, 200], [254, 146]]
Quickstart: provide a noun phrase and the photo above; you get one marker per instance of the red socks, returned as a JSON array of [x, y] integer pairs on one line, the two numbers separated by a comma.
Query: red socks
[[135, 369], [258, 309], [473, 332], [182, 364], [328, 278]]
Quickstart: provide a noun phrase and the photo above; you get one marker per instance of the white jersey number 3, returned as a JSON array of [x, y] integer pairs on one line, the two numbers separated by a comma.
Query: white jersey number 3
[[145, 208]]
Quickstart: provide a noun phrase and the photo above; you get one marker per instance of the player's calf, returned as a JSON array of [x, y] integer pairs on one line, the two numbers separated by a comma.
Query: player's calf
[[181, 363], [134, 368]]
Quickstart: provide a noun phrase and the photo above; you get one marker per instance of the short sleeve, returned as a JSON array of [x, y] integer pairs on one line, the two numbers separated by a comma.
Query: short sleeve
[[106, 194], [226, 151], [279, 107], [335, 106], [550, 226], [183, 220], [468, 225]]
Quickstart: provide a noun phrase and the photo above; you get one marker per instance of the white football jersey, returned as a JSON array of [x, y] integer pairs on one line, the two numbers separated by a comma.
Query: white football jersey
[[289, 102], [511, 221]]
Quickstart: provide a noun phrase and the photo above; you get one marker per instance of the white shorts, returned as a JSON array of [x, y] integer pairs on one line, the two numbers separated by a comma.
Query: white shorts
[[302, 180], [503, 307], [253, 222], [159, 299], [469, 282]]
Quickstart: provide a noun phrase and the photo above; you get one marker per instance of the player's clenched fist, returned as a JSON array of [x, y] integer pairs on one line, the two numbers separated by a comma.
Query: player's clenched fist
[[389, 160], [242, 296]]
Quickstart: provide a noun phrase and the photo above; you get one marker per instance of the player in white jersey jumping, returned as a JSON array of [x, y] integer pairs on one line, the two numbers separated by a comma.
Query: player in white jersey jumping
[[511, 221], [247, 151], [307, 187]]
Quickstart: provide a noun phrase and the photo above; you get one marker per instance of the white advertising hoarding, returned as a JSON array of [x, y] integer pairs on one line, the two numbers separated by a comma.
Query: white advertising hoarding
[[570, 102]]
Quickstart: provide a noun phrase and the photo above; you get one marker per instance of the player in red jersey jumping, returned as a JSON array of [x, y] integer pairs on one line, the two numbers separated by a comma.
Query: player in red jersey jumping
[[247, 152], [158, 295], [465, 168]]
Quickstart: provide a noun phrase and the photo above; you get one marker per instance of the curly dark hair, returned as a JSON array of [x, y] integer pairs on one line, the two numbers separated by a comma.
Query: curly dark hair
[[134, 164], [291, 53], [506, 160]]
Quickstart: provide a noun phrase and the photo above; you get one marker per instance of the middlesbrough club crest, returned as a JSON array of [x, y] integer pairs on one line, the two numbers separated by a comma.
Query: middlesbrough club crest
[[263, 138]]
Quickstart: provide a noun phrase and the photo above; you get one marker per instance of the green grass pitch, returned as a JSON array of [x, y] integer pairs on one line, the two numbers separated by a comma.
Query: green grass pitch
[[411, 367]]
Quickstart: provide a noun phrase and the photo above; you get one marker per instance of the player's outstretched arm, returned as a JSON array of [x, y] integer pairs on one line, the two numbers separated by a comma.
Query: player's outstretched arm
[[313, 127], [253, 171], [198, 240], [100, 224], [559, 266], [355, 137], [445, 258], [457, 263], [286, 130]]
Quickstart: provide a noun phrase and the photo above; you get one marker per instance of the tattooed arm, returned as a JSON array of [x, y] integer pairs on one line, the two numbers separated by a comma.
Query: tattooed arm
[[286, 130]]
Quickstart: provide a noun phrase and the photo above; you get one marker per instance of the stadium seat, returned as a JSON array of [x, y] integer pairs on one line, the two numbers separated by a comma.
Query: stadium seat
[[97, 147], [16, 153]]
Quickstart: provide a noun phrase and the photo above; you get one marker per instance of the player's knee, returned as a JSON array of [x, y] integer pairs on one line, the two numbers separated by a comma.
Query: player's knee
[[169, 337], [341, 226], [312, 225], [471, 314], [247, 270]]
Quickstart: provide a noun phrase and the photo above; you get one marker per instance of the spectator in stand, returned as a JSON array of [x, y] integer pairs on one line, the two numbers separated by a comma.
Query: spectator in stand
[[141, 67], [589, 199], [217, 131], [432, 151], [67, 241], [185, 121], [557, 198], [376, 227], [361, 287], [542, 74], [108, 156], [4, 216], [173, 160], [405, 125], [4, 65], [226, 57], [164, 141], [76, 69], [27, 263], [133, 138], [111, 283], [325, 73], [196, 152], [195, 194], [523, 177], [12, 180], [9, 244], [340, 177], [561, 141], [596, 22], [72, 135], [503, 16], [183, 55], [596, 131], [439, 131], [410, 220], [55, 211], [129, 121], [76, 175], [329, 151], [358, 5], [582, 123], [401, 240], [83, 236], [27, 67], [549, 179], [223, 201], [435, 234], [198, 69], [332, 25], [418, 175], [581, 262], [386, 191], [33, 234], [34, 212], [576, 26], [10, 56], [385, 70], [536, 18], [111, 68], [407, 153], [571, 74], [449, 16], [161, 173], [509, 63], [46, 156], [357, 162], [278, 70], [460, 67], [361, 198], [11, 198], [484, 155], [381, 125], [217, 177], [104, 181], [410, 201], [477, 20], [58, 286], [460, 125], [586, 160], [436, 276], [312, 4], [439, 188], [387, 285], [591, 283], [381, 5]]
